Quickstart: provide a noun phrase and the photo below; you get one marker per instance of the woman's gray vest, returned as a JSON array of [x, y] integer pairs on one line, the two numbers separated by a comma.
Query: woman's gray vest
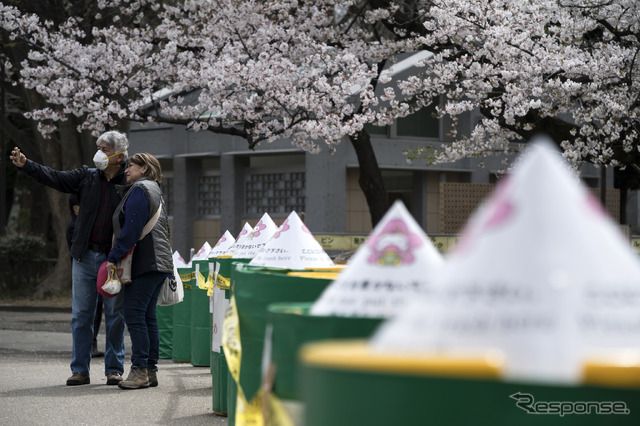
[[153, 252]]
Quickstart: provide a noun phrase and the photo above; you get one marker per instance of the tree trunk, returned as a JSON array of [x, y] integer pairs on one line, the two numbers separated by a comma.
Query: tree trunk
[[370, 179], [64, 154], [60, 277], [624, 180]]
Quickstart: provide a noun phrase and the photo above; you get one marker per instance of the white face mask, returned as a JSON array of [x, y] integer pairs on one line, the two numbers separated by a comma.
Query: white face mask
[[101, 160]]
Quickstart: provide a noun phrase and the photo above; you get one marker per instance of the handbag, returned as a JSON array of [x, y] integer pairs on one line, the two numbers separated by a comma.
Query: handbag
[[108, 283], [172, 291], [123, 266]]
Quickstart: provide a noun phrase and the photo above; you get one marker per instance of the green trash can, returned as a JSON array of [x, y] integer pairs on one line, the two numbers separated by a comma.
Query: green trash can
[[200, 325], [343, 383], [164, 314], [181, 351], [232, 394], [293, 326], [219, 368], [254, 288], [220, 375]]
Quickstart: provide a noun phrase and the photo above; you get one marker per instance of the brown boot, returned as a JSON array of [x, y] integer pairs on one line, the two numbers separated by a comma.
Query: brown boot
[[78, 379], [113, 378], [138, 378], [153, 378]]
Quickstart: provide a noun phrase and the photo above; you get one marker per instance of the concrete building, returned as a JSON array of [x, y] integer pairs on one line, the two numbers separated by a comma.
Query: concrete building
[[215, 183]]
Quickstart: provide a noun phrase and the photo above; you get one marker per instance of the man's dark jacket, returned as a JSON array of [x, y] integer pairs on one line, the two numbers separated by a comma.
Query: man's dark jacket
[[84, 183]]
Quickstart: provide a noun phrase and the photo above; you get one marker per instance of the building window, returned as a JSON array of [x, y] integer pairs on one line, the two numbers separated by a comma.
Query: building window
[[208, 200], [167, 193], [274, 192], [422, 124], [376, 130], [399, 186]]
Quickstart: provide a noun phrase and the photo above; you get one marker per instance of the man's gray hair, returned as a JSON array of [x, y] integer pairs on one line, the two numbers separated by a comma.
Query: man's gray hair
[[116, 140]]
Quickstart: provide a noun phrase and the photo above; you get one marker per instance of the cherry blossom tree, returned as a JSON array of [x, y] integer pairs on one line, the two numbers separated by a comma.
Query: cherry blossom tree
[[317, 71], [568, 68], [302, 70], [306, 70]]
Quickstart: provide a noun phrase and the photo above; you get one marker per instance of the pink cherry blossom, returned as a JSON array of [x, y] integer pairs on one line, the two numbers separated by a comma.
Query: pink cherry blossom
[[307, 70]]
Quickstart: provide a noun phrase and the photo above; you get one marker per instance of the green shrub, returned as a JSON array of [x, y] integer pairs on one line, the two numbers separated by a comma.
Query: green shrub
[[22, 264]]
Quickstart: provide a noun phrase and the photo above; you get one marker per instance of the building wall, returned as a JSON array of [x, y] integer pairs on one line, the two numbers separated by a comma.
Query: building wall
[[432, 180], [333, 201], [206, 230]]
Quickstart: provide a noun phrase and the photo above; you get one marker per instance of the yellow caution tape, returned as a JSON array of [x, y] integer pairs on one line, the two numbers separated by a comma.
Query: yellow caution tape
[[188, 276], [202, 282], [260, 411], [246, 414], [223, 282], [210, 281], [274, 413], [231, 339]]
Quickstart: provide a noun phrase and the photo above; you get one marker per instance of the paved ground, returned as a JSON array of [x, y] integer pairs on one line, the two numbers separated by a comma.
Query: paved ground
[[35, 351]]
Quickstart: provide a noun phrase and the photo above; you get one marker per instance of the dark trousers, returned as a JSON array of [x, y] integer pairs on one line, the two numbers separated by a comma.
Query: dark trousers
[[140, 299]]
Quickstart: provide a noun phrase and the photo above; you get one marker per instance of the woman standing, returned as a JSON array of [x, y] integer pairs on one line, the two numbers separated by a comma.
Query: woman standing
[[152, 263]]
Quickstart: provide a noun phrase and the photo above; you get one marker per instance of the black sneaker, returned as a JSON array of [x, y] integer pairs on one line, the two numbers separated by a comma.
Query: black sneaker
[[95, 353], [78, 379], [113, 378]]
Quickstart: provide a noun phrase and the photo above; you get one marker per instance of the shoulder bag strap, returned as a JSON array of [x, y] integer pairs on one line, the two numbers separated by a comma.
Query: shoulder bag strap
[[152, 222]]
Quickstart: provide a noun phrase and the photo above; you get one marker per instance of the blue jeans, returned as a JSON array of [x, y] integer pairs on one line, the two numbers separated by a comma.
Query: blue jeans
[[83, 306], [140, 299]]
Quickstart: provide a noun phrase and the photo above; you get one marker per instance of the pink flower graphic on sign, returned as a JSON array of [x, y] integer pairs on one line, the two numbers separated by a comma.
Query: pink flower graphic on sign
[[595, 206], [256, 231], [285, 227], [243, 232], [500, 211], [394, 245], [502, 208], [222, 240], [305, 229]]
